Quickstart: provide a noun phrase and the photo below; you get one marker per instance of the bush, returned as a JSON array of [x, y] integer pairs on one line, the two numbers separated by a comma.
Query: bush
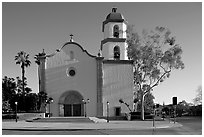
[[136, 115], [9, 116], [139, 113]]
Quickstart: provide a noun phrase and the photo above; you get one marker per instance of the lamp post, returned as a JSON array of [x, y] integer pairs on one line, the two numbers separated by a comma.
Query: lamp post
[[85, 102], [49, 101], [107, 111], [154, 110], [174, 114], [16, 103], [174, 100], [169, 114]]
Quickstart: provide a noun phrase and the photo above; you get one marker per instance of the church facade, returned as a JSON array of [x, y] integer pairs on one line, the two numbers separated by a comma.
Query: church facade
[[82, 84]]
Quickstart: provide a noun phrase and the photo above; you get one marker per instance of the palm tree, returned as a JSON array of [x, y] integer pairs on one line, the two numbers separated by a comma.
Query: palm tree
[[41, 95], [22, 59], [37, 61]]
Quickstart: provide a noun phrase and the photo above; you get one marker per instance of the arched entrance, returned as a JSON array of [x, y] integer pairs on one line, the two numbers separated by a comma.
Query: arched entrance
[[71, 104]]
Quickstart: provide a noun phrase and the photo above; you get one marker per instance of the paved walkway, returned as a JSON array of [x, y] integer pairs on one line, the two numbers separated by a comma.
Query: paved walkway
[[125, 125]]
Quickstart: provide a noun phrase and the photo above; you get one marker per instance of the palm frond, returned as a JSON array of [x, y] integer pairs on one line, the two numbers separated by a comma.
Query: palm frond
[[22, 58]]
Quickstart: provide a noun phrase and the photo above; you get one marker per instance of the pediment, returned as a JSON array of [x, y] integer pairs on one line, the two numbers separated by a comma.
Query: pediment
[[59, 59], [64, 57]]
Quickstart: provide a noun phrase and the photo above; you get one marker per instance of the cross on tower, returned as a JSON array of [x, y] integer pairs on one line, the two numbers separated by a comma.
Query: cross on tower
[[71, 37], [114, 9]]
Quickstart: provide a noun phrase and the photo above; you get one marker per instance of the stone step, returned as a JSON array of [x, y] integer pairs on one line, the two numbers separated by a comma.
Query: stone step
[[63, 119]]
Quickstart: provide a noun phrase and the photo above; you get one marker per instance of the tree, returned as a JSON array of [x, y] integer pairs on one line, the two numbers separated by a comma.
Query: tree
[[8, 88], [19, 82], [155, 55], [31, 102], [12, 91], [6, 106], [127, 105], [198, 99], [37, 61], [182, 107], [22, 59], [148, 102], [8, 92], [42, 96], [22, 96]]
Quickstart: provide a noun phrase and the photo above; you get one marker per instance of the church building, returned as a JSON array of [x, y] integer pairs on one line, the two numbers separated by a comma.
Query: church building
[[82, 84]]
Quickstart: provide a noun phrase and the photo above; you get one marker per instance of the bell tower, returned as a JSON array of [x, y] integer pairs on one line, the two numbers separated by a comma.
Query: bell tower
[[114, 46]]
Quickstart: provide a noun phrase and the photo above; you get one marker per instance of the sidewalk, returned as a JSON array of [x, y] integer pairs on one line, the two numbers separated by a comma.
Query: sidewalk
[[125, 125]]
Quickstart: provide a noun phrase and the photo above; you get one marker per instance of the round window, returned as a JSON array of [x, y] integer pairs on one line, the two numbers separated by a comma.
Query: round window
[[72, 72]]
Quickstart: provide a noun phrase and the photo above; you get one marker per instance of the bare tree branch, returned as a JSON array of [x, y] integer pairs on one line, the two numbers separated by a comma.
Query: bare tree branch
[[144, 76], [157, 81]]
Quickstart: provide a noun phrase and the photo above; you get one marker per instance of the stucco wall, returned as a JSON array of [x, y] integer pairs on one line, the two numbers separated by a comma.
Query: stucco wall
[[58, 80], [117, 83]]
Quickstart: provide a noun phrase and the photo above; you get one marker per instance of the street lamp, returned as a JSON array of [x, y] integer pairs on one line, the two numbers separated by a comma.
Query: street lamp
[[174, 100], [49, 101], [85, 102], [16, 103], [154, 110], [107, 111], [174, 114]]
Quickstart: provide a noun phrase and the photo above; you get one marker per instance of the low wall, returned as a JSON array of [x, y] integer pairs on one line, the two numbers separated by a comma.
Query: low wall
[[25, 116]]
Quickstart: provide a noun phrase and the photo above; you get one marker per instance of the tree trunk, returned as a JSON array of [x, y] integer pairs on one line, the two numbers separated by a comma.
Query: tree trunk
[[142, 106], [23, 73], [43, 107], [39, 78], [23, 88]]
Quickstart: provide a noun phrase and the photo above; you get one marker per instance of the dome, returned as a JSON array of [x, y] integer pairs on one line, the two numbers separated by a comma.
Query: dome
[[114, 15]]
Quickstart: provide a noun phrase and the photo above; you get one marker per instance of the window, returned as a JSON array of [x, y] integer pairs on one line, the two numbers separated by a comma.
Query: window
[[71, 55], [116, 52], [71, 72], [116, 31], [117, 111]]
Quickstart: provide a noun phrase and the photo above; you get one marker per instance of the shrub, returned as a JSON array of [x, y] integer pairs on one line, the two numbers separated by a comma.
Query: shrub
[[9, 116]]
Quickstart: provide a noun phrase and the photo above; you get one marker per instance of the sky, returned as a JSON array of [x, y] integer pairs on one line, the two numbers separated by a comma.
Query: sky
[[32, 27]]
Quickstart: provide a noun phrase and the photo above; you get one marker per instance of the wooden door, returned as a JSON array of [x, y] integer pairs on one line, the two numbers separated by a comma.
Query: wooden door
[[76, 109], [67, 110]]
